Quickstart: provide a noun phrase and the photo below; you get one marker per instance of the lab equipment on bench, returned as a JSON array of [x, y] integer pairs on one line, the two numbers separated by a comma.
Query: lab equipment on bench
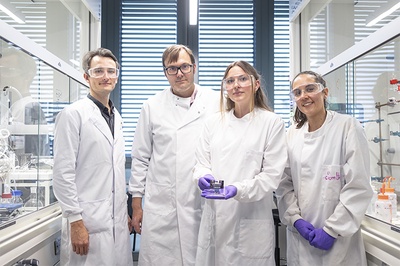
[[383, 207]]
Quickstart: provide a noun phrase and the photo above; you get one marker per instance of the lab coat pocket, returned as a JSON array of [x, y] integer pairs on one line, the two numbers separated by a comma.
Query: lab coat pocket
[[96, 215], [161, 199], [256, 238], [331, 182]]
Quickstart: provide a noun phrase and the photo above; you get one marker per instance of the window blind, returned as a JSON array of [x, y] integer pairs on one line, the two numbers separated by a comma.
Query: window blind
[[226, 34], [281, 60], [147, 28]]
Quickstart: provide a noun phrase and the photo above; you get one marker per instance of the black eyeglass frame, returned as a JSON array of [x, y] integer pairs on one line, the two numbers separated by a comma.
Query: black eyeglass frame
[[166, 69]]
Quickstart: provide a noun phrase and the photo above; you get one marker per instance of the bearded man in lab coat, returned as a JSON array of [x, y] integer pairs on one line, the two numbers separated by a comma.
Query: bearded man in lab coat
[[162, 161], [89, 171]]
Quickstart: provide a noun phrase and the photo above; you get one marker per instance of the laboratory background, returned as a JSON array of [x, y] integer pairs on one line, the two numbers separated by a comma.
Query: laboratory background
[[353, 44]]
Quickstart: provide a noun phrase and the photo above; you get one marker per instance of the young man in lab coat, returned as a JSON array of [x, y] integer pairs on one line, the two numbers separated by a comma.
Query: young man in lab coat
[[89, 171], [162, 161]]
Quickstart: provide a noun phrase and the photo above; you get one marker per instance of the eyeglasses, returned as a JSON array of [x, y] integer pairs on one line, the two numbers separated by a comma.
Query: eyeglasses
[[309, 89], [99, 72], [241, 80], [173, 70]]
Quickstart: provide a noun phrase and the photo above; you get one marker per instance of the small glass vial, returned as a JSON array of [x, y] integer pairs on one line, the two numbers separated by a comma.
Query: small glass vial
[[383, 208], [217, 186]]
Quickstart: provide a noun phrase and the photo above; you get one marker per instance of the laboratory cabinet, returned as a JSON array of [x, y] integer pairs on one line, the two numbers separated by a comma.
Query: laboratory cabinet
[[34, 86], [355, 46], [364, 81]]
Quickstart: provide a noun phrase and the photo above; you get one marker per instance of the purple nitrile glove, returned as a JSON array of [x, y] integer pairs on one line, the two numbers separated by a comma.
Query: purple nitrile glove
[[230, 191], [204, 181], [321, 239], [212, 193], [304, 228], [224, 193]]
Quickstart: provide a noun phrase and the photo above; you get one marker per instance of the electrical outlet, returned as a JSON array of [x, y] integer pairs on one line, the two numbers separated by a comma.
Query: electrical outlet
[[57, 245]]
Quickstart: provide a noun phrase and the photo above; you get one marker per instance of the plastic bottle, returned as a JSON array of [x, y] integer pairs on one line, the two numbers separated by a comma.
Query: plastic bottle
[[33, 203], [383, 207], [394, 83], [6, 198], [392, 196]]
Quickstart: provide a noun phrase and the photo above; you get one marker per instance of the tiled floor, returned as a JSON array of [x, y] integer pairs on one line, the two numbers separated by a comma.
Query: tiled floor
[[282, 240]]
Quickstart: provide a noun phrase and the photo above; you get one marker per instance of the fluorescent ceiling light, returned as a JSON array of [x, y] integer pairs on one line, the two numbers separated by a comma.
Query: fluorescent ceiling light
[[193, 8], [382, 12], [11, 11]]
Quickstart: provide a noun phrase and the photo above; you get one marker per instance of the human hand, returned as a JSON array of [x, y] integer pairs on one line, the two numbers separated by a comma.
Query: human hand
[[320, 239], [130, 227], [230, 191], [222, 193], [304, 228], [79, 238], [137, 214], [204, 181]]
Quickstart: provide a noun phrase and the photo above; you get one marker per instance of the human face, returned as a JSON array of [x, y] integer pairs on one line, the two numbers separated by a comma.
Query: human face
[[238, 86], [102, 86], [311, 104], [182, 84]]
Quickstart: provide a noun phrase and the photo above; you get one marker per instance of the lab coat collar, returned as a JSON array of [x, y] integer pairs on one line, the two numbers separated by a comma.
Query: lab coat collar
[[320, 131], [196, 109]]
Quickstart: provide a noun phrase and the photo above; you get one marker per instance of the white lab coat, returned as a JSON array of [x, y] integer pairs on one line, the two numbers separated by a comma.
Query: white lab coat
[[162, 162], [89, 182], [327, 185], [249, 153]]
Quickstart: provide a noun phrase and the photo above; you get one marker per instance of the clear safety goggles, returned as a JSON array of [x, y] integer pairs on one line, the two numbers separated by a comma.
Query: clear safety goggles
[[242, 80], [309, 89], [99, 72], [173, 70]]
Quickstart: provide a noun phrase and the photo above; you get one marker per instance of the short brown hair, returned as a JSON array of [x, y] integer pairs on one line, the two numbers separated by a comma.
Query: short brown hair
[[171, 54], [103, 52]]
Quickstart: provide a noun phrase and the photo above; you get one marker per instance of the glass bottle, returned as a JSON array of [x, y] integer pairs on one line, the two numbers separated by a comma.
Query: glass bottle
[[34, 202], [16, 194]]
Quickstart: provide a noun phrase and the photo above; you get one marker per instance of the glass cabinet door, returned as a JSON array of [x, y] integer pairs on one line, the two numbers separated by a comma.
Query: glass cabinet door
[[32, 93], [369, 89]]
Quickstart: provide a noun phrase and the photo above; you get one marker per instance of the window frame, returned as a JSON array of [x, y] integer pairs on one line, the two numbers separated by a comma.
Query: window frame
[[188, 35]]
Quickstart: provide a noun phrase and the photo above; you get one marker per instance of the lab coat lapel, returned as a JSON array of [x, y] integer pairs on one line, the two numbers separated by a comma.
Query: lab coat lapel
[[118, 123], [100, 123], [196, 110]]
